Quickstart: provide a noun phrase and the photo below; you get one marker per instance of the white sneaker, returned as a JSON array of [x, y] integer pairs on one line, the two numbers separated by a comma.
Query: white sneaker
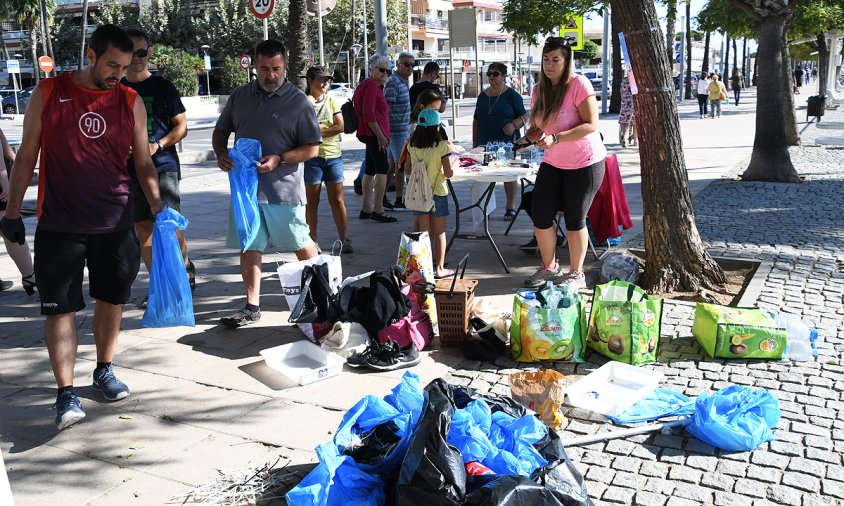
[[575, 279]]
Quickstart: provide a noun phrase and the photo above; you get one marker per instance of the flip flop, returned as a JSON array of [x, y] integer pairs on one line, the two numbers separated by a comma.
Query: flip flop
[[447, 274]]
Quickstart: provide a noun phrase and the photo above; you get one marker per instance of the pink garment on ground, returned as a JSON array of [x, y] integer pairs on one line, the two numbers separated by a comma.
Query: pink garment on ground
[[579, 153]]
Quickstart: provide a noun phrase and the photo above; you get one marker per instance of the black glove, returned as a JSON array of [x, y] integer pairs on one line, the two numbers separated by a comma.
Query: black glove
[[13, 230]]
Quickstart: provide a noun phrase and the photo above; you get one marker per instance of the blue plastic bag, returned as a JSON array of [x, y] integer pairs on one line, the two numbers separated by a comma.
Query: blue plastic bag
[[243, 180], [170, 301], [736, 418], [658, 404], [338, 479]]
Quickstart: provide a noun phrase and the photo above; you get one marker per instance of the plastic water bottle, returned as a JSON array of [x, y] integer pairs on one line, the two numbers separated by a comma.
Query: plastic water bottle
[[508, 151], [569, 297], [500, 153], [801, 345]]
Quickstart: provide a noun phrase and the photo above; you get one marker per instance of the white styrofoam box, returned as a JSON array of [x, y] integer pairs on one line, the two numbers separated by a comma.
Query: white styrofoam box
[[612, 388], [303, 361]]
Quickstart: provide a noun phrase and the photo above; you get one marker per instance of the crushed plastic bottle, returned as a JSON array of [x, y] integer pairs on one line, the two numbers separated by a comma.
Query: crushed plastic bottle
[[801, 345]]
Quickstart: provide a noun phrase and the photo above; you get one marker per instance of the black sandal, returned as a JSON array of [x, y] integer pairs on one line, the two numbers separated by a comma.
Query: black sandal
[[510, 215], [191, 270], [28, 283]]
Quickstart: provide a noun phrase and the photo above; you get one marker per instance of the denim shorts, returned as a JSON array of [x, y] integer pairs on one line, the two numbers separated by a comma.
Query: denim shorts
[[440, 207], [395, 147], [324, 170]]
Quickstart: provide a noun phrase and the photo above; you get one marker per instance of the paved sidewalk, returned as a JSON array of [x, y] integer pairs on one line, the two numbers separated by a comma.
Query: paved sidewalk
[[204, 400]]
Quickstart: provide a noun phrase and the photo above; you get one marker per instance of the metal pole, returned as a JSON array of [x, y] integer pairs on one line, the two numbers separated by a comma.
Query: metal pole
[[453, 97], [409, 29], [208, 81], [665, 427], [605, 63], [319, 27], [266, 30], [682, 58], [381, 27], [365, 43]]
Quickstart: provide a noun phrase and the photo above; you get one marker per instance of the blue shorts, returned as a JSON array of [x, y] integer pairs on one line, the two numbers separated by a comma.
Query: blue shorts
[[283, 224], [324, 170], [394, 149], [440, 207]]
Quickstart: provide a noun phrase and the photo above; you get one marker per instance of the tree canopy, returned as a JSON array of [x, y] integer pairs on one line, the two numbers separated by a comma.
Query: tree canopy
[[524, 19]]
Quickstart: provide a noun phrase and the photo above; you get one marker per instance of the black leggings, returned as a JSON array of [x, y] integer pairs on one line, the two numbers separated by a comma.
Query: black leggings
[[702, 100], [569, 191]]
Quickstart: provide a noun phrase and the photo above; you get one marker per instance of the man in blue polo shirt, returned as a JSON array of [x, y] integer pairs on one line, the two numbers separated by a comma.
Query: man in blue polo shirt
[[397, 94]]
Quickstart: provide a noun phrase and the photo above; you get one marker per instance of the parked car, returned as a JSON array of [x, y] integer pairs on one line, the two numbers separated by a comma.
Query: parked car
[[598, 85], [341, 90], [24, 95]]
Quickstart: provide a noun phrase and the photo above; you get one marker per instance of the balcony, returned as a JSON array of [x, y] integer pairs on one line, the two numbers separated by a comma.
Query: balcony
[[429, 22]]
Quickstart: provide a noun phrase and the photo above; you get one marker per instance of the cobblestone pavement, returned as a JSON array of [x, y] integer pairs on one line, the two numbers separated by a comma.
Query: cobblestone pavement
[[799, 229]]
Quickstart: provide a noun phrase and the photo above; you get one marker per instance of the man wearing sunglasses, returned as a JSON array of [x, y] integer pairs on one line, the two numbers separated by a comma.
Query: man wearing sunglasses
[[166, 127], [430, 74], [397, 94]]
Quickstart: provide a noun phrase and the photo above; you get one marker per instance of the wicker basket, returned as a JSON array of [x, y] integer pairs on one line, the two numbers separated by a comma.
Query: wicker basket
[[454, 299]]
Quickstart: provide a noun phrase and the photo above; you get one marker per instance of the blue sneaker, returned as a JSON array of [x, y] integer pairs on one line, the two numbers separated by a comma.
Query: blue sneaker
[[68, 410], [112, 388]]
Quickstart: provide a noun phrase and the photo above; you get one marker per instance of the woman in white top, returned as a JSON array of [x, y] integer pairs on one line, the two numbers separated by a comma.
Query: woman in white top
[[702, 94]]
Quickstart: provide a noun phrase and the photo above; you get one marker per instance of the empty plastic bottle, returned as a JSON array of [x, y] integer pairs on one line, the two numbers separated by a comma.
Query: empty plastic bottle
[[801, 345], [500, 153]]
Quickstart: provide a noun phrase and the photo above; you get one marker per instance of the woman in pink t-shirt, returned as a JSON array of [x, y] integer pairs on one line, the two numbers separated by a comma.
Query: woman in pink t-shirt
[[564, 122]]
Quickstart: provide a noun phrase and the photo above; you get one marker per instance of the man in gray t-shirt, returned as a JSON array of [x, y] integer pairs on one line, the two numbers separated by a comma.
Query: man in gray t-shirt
[[275, 112]]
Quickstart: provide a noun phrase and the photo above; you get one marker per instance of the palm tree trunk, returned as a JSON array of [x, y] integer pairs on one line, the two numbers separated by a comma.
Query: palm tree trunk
[[33, 45], [297, 41], [617, 71], [705, 66], [744, 58], [770, 160], [677, 258], [735, 58], [48, 42], [671, 30], [726, 63], [823, 63], [84, 33]]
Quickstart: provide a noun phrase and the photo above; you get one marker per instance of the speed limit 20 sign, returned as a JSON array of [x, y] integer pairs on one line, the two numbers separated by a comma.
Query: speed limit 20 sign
[[261, 8]]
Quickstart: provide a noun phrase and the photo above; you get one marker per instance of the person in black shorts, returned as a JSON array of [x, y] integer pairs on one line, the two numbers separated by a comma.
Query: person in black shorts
[[89, 122], [166, 127]]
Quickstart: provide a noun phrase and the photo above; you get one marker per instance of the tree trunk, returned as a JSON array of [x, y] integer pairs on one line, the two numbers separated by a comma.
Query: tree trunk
[[677, 258], [754, 79], [744, 59], [770, 160], [48, 42], [688, 85], [705, 66], [297, 41], [726, 63], [33, 50], [617, 70], [84, 32], [671, 30], [792, 134], [823, 63], [735, 58]]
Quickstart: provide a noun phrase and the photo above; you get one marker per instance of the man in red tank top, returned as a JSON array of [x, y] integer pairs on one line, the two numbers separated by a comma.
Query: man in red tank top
[[84, 125]]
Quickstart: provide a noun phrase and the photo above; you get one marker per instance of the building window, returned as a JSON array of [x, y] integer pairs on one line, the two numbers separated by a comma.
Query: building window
[[442, 44], [418, 45]]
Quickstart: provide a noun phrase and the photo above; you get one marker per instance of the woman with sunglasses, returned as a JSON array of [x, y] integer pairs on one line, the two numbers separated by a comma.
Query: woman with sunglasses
[[327, 166], [499, 114], [374, 131], [564, 122]]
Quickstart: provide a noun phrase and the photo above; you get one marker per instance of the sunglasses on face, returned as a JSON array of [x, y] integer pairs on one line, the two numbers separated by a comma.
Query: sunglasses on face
[[384, 71], [494, 73], [141, 53], [323, 80], [407, 64]]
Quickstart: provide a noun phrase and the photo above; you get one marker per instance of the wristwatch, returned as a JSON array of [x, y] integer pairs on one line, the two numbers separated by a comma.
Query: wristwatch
[[160, 147]]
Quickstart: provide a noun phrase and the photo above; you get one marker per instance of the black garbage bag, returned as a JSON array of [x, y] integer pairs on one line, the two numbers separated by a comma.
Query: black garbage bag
[[433, 472]]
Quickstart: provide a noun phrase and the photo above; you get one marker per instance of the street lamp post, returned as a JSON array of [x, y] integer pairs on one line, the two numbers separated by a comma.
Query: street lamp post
[[353, 78], [205, 48], [520, 73]]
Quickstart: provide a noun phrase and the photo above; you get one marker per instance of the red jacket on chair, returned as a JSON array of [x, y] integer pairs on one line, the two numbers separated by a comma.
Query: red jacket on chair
[[609, 209]]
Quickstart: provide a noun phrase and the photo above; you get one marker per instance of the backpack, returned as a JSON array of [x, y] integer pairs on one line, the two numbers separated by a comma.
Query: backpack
[[419, 194], [350, 121]]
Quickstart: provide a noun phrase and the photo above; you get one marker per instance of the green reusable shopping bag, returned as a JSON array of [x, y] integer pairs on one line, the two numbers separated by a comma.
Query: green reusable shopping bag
[[624, 323], [737, 332], [539, 334]]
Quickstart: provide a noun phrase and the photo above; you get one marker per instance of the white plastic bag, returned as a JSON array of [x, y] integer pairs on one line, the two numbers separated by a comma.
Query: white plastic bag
[[290, 276]]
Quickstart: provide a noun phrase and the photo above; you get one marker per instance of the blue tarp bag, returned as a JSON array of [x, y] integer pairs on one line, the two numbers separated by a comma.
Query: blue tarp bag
[[736, 418], [658, 404], [170, 301], [369, 444], [243, 180]]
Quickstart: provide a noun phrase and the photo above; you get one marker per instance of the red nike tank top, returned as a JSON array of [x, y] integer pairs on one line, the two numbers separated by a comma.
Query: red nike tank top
[[86, 135]]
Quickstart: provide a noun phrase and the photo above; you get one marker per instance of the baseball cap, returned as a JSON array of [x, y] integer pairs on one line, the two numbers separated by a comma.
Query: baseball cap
[[316, 72], [428, 117]]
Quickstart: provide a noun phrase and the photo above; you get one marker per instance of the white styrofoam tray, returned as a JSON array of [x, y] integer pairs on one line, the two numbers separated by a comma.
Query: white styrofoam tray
[[612, 388], [303, 361]]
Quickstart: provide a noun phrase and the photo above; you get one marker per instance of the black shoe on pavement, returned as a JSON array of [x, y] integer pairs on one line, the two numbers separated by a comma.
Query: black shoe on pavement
[[241, 318], [382, 218], [358, 187], [399, 205], [364, 215], [530, 246], [387, 204], [191, 269], [390, 357]]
